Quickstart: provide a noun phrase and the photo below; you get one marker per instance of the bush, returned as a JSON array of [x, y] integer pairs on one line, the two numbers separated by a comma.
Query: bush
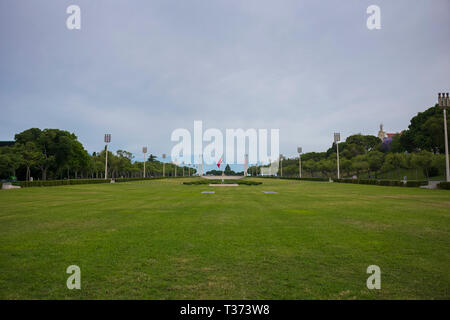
[[444, 185], [137, 179], [206, 181], [392, 183], [50, 183], [304, 179], [416, 183]]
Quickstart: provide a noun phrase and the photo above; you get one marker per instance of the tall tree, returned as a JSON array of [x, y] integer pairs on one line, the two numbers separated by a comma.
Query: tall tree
[[31, 156], [425, 132]]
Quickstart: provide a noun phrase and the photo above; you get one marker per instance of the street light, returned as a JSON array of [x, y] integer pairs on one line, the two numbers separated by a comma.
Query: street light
[[200, 165], [337, 138], [444, 103], [175, 163], [144, 151], [164, 164], [281, 165], [299, 150], [107, 140]]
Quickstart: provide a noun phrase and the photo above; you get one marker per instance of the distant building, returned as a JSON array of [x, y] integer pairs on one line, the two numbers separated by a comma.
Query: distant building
[[386, 138], [381, 133], [391, 135], [384, 135]]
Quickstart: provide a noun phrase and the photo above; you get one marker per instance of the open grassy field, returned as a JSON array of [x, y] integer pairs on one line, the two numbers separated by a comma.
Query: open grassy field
[[164, 240]]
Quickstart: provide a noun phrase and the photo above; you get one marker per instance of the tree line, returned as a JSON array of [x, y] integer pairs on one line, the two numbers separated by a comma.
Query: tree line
[[417, 151], [57, 154]]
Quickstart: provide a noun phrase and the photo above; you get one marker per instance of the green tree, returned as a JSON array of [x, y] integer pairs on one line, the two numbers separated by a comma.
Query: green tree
[[425, 132], [31, 156], [423, 160], [375, 160], [394, 161], [359, 164], [10, 161], [56, 148], [367, 142], [345, 165]]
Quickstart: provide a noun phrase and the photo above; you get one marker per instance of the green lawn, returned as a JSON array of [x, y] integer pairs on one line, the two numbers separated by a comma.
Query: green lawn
[[164, 240]]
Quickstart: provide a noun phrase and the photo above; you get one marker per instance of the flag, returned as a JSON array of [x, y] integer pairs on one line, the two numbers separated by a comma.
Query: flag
[[218, 163]]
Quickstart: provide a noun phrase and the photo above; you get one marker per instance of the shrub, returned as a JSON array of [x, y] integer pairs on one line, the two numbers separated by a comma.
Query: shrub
[[305, 179], [206, 181], [416, 183], [49, 183], [392, 183], [444, 185]]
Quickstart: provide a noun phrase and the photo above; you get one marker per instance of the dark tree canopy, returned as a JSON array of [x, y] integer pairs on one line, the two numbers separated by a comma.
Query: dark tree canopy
[[425, 132]]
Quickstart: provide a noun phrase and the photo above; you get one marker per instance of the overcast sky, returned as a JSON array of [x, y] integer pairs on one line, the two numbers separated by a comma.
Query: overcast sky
[[140, 69]]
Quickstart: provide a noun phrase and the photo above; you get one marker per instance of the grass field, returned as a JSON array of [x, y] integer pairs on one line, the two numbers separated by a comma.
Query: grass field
[[164, 240]]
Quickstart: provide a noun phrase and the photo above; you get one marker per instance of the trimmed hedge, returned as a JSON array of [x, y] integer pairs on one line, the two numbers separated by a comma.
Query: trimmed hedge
[[51, 183], [137, 179], [444, 185], [416, 183], [295, 178], [392, 183], [305, 179], [206, 181]]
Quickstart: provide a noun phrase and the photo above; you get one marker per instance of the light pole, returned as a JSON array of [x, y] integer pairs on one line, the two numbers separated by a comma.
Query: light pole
[[299, 150], [144, 151], [107, 140], [337, 138], [200, 165], [164, 164], [183, 168], [444, 103], [281, 165], [175, 163]]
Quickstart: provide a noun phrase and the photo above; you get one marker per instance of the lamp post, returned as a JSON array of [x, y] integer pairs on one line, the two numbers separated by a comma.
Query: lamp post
[[299, 150], [183, 168], [200, 165], [164, 164], [144, 151], [281, 165], [175, 163], [444, 103], [107, 140], [337, 138]]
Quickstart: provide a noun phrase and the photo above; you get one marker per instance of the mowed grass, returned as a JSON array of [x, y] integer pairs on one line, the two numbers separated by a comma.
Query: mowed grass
[[164, 240]]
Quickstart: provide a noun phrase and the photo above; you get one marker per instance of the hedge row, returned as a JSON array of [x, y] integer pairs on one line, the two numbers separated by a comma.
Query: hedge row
[[50, 183], [444, 185], [305, 179], [295, 178], [393, 183], [206, 181]]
